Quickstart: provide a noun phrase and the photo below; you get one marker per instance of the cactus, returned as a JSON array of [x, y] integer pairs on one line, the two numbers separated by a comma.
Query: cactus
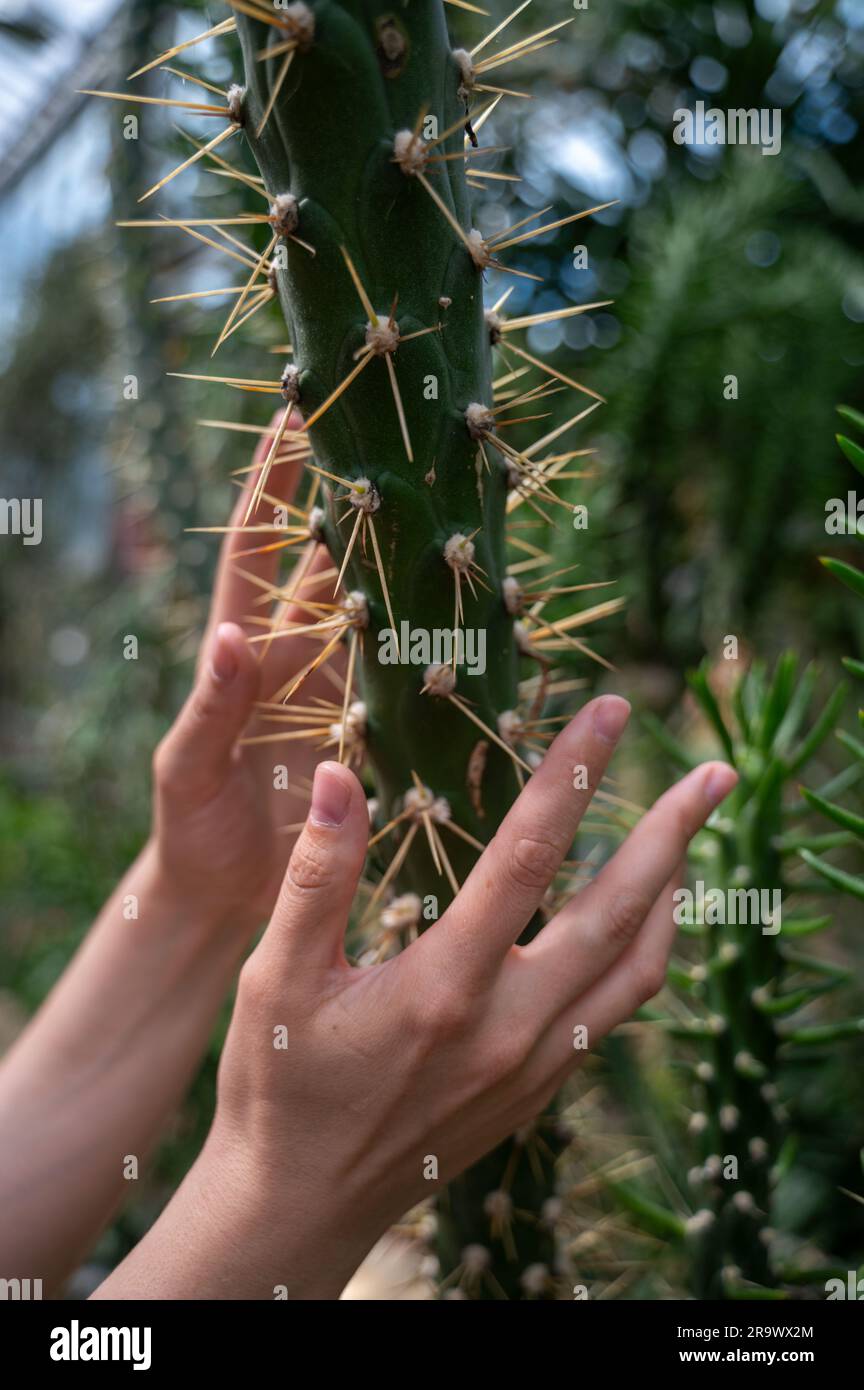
[[853, 578], [364, 126], [738, 1000]]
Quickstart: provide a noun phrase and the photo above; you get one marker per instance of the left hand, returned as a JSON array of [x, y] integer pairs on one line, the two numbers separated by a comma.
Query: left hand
[[219, 820], [106, 1060]]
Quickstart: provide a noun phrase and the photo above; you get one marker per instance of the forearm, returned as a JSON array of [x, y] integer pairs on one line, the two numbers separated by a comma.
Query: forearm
[[95, 1076], [231, 1233]]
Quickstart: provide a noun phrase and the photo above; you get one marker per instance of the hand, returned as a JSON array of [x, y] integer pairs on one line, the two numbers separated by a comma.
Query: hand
[[107, 1058], [444, 1049], [219, 815]]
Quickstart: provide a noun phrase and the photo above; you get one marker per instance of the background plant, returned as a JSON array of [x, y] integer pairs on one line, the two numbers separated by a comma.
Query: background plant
[[853, 578], [747, 1003]]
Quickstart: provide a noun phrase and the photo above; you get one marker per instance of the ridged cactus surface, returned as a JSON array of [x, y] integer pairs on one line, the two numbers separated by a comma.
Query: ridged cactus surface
[[329, 144]]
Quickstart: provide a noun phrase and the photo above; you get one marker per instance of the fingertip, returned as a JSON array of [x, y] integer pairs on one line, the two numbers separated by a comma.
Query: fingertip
[[606, 716], [232, 633], [609, 715], [224, 662], [719, 779], [332, 793], [230, 654]]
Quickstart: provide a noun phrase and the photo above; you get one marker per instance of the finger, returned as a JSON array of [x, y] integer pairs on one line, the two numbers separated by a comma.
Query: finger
[[308, 923], [506, 886], [193, 759], [598, 924], [314, 560], [285, 655], [637, 975], [233, 593]]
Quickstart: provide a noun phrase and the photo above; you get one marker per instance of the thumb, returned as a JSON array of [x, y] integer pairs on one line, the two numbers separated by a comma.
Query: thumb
[[193, 759], [309, 920]]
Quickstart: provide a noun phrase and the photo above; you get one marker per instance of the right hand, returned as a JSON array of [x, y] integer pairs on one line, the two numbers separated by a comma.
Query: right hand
[[451, 1045]]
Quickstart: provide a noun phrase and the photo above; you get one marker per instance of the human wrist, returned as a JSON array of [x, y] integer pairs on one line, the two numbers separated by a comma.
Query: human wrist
[[291, 1234], [202, 911], [233, 1232]]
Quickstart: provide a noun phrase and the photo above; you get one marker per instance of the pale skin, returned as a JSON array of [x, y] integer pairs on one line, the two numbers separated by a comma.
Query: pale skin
[[103, 1066], [315, 1149]]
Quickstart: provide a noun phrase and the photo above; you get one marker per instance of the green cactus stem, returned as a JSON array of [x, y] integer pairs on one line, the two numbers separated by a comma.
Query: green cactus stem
[[744, 993], [360, 141]]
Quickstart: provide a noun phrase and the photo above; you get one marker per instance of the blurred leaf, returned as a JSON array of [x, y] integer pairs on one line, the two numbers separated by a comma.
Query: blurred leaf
[[821, 729], [670, 745], [853, 452], [698, 682], [805, 926], [827, 1032], [659, 1221], [848, 883], [847, 574], [853, 416], [851, 744], [838, 814], [779, 695]]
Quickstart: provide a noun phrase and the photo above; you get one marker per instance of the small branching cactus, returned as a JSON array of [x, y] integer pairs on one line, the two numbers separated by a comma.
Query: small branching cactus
[[364, 124], [747, 1005], [848, 820]]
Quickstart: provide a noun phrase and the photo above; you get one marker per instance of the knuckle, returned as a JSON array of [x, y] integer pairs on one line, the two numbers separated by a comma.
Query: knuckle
[[625, 915], [164, 764], [447, 1013], [683, 823], [204, 704], [309, 868], [510, 1052], [649, 977], [534, 861], [254, 982]]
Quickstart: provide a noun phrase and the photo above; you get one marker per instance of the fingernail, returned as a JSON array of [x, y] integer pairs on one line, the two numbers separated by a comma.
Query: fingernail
[[223, 662], [610, 715], [719, 783], [331, 796]]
